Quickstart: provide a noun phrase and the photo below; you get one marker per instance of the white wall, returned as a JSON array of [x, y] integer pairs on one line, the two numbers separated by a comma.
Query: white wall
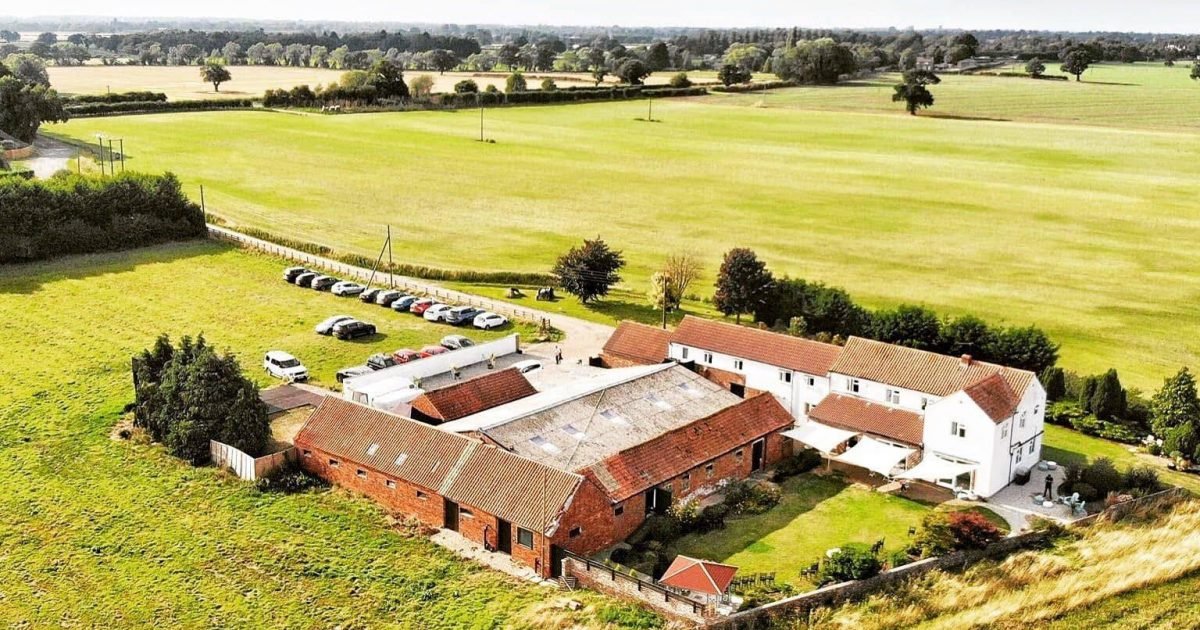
[[793, 393], [382, 382], [875, 391]]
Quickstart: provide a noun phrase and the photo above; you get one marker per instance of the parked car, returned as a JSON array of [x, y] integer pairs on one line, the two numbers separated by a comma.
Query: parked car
[[380, 361], [488, 321], [305, 279], [460, 315], [432, 350], [351, 372], [324, 283], [525, 367], [368, 295], [282, 365], [346, 288], [454, 342], [326, 327], [404, 355], [436, 312], [353, 329], [385, 298], [418, 307], [404, 303], [290, 273]]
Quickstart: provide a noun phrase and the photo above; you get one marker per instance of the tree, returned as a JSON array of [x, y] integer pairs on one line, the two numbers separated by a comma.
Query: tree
[[958, 53], [1026, 348], [746, 56], [971, 530], [48, 39], [1035, 67], [216, 74], [743, 283], [507, 55], [815, 62], [1196, 70], [969, 41], [680, 80], [1054, 380], [907, 325], [443, 60], [966, 335], [730, 74], [658, 57], [28, 68], [598, 74], [632, 71], [1108, 400], [9, 35], [671, 282], [1175, 415], [466, 86], [515, 83], [232, 53], [913, 91], [548, 84], [1076, 63], [387, 77], [421, 86], [24, 106], [589, 271]]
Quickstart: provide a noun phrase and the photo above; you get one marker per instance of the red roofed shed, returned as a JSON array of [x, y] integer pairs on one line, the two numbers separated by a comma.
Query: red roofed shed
[[698, 576]]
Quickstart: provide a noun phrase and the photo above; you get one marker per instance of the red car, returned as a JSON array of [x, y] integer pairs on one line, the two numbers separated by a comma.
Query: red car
[[432, 350], [420, 306], [404, 355]]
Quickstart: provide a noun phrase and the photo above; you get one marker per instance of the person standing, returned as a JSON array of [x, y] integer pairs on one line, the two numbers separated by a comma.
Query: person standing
[[1049, 492], [557, 355]]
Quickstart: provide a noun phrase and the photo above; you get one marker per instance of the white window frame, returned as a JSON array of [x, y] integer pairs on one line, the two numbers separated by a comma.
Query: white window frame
[[708, 358], [855, 386], [1022, 419], [812, 382], [958, 429], [683, 353], [738, 364], [893, 396]]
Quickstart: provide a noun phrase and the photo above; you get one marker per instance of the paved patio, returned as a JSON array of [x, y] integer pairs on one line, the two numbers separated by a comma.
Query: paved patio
[[1016, 503], [503, 562]]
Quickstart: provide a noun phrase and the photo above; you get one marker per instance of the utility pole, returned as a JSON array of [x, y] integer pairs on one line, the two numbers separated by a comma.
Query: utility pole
[[391, 267], [481, 122], [112, 167], [650, 108], [100, 141], [202, 207], [122, 143]]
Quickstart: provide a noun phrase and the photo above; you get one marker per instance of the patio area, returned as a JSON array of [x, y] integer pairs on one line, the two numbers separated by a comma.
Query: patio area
[[502, 562], [1017, 503]]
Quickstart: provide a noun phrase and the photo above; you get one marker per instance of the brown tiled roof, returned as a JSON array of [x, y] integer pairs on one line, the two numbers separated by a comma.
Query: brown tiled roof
[[698, 576], [856, 414], [994, 397], [671, 454], [785, 351], [638, 343], [919, 370], [461, 469], [469, 397]]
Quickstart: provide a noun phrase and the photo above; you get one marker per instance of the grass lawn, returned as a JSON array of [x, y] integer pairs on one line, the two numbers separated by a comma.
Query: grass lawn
[[618, 305], [98, 532], [1068, 446], [815, 515], [1084, 231]]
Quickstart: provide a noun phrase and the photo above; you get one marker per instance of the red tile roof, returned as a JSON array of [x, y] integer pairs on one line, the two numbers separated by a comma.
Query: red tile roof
[[994, 397], [919, 370], [671, 454], [500, 483], [638, 343], [785, 351], [856, 414], [475, 395], [698, 576]]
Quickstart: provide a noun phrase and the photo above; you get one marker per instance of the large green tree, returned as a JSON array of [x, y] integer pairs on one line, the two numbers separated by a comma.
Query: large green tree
[[658, 57], [216, 74], [913, 92], [818, 62], [1076, 62], [908, 325], [1035, 67], [1175, 415], [387, 77], [743, 283], [29, 68], [25, 106], [1108, 401], [967, 335], [590, 270], [632, 71], [1026, 348], [730, 74]]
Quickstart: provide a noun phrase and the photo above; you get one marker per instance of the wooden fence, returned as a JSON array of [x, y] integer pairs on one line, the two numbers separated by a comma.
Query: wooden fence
[[245, 466]]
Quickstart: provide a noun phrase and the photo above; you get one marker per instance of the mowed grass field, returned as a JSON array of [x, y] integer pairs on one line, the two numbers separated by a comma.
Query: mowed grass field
[[97, 532], [1088, 232]]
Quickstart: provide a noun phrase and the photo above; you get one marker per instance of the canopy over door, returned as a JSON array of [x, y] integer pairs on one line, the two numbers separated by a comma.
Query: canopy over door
[[933, 468], [874, 455], [822, 437]]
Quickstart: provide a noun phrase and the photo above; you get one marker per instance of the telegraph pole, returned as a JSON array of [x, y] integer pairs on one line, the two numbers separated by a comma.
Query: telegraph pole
[[391, 267], [122, 144]]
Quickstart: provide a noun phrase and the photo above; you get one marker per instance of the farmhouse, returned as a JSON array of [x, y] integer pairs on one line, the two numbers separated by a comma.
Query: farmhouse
[[573, 469], [959, 423]]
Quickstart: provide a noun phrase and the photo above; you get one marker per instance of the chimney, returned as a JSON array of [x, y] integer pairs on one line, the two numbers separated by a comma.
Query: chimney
[[965, 360]]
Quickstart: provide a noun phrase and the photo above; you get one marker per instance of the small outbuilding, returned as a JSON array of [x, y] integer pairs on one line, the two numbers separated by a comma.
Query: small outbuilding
[[709, 580]]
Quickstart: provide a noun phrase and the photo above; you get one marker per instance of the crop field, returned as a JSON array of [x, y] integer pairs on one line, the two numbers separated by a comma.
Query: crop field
[[102, 532], [1085, 231]]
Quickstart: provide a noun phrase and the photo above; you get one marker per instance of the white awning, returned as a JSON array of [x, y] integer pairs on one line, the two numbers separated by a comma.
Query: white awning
[[822, 437], [933, 468], [875, 456]]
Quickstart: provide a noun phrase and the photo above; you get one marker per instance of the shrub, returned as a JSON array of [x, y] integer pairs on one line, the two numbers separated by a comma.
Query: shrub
[[87, 110], [549, 85], [686, 513], [797, 464], [117, 97], [712, 518], [899, 558], [289, 480], [744, 497], [620, 555], [971, 530], [680, 80], [1086, 491], [1102, 476], [934, 537], [854, 561], [1143, 478], [660, 528], [628, 616], [755, 594]]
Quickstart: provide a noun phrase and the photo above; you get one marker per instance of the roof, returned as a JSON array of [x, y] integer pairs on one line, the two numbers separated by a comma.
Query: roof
[[639, 343], [919, 370], [650, 463], [469, 397], [285, 397], [461, 469], [785, 351], [698, 576], [856, 414], [583, 430], [994, 397]]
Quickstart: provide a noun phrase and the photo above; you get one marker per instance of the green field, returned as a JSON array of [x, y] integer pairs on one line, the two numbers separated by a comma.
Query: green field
[[1086, 231], [99, 532]]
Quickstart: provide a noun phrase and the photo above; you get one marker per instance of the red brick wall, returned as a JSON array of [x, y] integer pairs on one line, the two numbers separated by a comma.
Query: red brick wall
[[403, 498], [721, 377], [610, 360], [729, 466]]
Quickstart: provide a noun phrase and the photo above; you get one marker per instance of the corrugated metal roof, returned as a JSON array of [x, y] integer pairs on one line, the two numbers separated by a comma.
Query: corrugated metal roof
[[919, 370], [786, 351], [514, 488], [856, 414]]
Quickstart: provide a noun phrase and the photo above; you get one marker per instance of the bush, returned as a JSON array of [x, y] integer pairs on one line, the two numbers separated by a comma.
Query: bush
[[797, 464], [686, 513], [1102, 476], [751, 87], [680, 80], [620, 555], [289, 480], [899, 558], [75, 214], [855, 561], [972, 531], [756, 594], [1143, 478], [118, 97], [1086, 491], [87, 110], [934, 537], [660, 528], [743, 497], [712, 518]]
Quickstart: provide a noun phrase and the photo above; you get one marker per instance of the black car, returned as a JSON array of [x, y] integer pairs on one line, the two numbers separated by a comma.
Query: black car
[[380, 361], [291, 273], [305, 279], [324, 283], [369, 295], [353, 330]]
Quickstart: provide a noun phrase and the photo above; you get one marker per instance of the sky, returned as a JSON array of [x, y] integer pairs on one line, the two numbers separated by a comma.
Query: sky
[[1174, 16]]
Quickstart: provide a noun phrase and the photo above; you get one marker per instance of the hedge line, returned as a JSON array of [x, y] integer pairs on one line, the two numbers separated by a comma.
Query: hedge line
[[1021, 75], [403, 269], [118, 97], [76, 214], [754, 87], [84, 110], [451, 100]]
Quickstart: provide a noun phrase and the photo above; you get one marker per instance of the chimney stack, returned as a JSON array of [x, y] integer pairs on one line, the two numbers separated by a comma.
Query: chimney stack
[[965, 360]]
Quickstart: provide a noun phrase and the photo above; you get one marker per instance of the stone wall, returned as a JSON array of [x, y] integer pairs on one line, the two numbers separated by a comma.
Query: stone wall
[[621, 585]]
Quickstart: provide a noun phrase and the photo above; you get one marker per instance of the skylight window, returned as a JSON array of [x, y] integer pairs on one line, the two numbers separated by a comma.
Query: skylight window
[[658, 402], [400, 459], [574, 432], [691, 389], [614, 417], [372, 449], [540, 441]]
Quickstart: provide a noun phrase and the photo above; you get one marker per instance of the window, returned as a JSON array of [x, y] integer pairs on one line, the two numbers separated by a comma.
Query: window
[[784, 376], [575, 532], [687, 481], [807, 408], [1022, 419], [466, 512], [574, 432], [1036, 409], [421, 495], [540, 441], [658, 402], [855, 385], [737, 364], [683, 354], [372, 449], [362, 474], [619, 510], [1032, 444], [893, 396], [613, 417], [812, 382], [708, 358], [739, 453], [400, 459], [525, 538], [708, 471], [390, 484], [307, 453], [1018, 455], [1004, 430], [333, 463], [957, 429]]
